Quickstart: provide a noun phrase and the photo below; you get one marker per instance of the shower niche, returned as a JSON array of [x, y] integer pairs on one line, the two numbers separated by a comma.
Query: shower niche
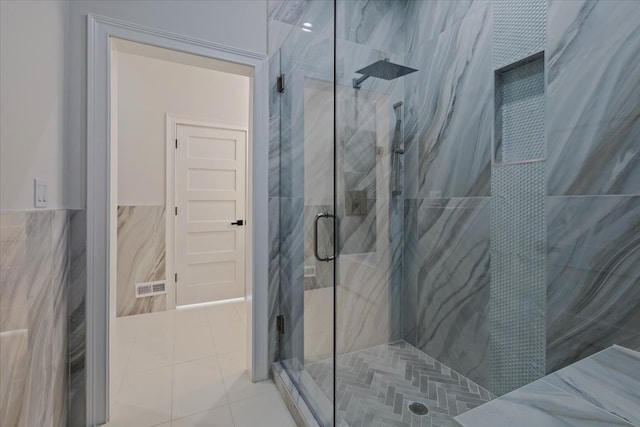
[[519, 111]]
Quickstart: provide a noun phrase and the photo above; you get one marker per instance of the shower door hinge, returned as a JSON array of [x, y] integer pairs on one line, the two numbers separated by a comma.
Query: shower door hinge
[[175, 278], [176, 142], [280, 323], [280, 85], [176, 210]]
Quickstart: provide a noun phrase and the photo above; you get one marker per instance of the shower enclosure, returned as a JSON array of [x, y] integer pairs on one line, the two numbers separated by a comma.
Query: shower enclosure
[[454, 199]]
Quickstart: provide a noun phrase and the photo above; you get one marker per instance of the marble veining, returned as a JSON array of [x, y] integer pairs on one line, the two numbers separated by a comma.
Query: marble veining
[[378, 24], [39, 273], [449, 111], [593, 90], [77, 317], [34, 278], [539, 404], [609, 379], [60, 296], [141, 257], [593, 263], [601, 390], [453, 283], [292, 277], [274, 278]]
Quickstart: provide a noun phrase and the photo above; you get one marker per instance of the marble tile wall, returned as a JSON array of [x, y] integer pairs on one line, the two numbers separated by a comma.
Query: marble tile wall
[[447, 177], [448, 113], [592, 95], [77, 317], [141, 258], [419, 267], [34, 291], [592, 129], [593, 273], [453, 291], [593, 178]]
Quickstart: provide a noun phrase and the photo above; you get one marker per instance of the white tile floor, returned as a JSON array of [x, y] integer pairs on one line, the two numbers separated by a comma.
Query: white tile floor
[[187, 368]]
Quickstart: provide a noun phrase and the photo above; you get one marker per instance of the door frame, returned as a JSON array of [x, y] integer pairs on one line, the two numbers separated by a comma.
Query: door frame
[[100, 30], [172, 123]]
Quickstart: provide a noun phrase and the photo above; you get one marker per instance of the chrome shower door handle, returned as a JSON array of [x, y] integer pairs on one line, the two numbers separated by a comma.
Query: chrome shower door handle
[[315, 237]]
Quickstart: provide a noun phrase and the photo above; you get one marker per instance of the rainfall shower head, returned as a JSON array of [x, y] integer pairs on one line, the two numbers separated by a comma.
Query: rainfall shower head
[[382, 69]]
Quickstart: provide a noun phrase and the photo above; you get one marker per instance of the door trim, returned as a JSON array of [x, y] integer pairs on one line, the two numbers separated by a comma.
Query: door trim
[[172, 123], [100, 30]]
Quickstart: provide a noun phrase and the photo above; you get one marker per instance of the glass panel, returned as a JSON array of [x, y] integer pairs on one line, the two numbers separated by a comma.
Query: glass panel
[[307, 189]]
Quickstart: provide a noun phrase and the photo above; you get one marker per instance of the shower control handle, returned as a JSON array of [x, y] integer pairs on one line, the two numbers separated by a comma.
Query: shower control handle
[[315, 237]]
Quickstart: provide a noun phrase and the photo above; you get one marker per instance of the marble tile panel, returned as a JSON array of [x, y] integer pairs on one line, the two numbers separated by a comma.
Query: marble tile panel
[[427, 19], [292, 277], [396, 284], [274, 277], [39, 401], [594, 114], [60, 297], [609, 379], [362, 303], [377, 24], [593, 273], [449, 109], [274, 126], [141, 257], [410, 270], [14, 358], [539, 404], [289, 11], [13, 285], [453, 283], [77, 318], [318, 142]]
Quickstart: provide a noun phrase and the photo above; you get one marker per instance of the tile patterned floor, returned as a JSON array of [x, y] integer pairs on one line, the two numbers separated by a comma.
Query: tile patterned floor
[[375, 386], [186, 368]]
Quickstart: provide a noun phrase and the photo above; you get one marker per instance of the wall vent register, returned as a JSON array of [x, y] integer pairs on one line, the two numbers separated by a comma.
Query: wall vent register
[[149, 289]]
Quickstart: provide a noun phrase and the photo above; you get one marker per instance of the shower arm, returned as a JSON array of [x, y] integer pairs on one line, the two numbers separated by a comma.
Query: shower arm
[[357, 83]]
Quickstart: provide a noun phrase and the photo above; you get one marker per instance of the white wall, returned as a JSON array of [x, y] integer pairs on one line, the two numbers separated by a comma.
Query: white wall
[[32, 101], [148, 89], [241, 24]]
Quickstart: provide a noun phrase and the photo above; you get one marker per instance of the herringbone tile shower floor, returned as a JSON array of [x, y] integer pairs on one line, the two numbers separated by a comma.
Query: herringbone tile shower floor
[[375, 386]]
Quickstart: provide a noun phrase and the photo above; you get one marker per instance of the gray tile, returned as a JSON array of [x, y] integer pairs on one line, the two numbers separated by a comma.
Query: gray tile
[[609, 379], [593, 266], [539, 404], [377, 384]]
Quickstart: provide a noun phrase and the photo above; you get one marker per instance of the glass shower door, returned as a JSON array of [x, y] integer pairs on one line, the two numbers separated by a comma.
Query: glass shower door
[[306, 207]]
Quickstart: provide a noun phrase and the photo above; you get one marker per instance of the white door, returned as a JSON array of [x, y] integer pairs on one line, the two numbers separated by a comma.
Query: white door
[[210, 197]]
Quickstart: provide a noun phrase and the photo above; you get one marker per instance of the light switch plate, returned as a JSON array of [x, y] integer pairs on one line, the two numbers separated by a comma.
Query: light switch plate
[[39, 193]]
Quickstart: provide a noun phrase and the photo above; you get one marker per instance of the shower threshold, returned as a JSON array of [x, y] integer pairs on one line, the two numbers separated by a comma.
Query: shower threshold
[[376, 387]]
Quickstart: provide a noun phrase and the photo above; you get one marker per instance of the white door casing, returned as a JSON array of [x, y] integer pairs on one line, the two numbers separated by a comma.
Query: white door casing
[[210, 194], [99, 31]]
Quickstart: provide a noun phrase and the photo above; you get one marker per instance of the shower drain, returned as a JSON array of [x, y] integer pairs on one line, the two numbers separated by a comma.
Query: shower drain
[[418, 408]]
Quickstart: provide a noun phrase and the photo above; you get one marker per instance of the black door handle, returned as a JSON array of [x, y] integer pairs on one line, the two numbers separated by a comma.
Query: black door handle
[[238, 222]]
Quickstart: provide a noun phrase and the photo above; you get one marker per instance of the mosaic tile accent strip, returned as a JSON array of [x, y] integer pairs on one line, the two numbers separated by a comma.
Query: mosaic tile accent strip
[[518, 276], [375, 386], [519, 30]]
